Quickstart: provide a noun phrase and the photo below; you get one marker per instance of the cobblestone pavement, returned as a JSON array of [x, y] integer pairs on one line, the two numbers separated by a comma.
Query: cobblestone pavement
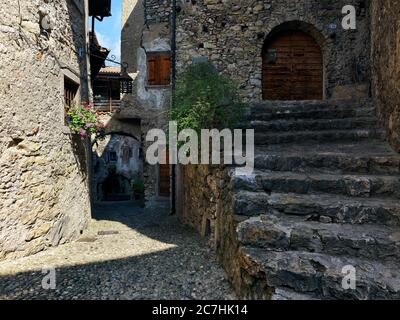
[[127, 253]]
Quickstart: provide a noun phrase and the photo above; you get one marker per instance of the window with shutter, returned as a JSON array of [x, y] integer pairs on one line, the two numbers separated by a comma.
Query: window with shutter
[[159, 68]]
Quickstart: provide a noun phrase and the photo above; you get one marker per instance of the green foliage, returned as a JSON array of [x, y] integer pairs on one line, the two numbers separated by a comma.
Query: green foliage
[[112, 169], [84, 120], [205, 99], [138, 185]]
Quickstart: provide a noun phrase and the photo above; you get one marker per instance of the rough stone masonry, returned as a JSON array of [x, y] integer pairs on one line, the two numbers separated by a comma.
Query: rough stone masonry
[[44, 198], [231, 35], [146, 30], [386, 64]]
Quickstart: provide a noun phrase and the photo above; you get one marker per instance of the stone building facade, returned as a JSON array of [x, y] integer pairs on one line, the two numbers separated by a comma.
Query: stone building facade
[[231, 34], [146, 31], [386, 64], [44, 197]]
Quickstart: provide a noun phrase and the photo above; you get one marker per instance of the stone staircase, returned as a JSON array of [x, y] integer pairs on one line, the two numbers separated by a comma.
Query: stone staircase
[[324, 195]]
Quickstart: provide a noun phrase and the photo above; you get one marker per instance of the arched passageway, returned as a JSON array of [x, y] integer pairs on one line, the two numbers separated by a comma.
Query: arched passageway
[[292, 65], [118, 168]]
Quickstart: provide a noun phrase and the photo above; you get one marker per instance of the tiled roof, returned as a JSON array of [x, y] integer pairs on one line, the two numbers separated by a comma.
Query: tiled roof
[[108, 70]]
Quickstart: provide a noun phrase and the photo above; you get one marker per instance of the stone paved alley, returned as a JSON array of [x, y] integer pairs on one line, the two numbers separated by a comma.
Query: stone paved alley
[[151, 257]]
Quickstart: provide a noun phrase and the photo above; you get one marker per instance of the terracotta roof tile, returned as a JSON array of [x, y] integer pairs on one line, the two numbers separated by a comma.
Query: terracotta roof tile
[[115, 70]]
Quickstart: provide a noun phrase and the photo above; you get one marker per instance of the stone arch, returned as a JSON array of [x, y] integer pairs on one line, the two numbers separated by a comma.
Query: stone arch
[[123, 133], [306, 27], [293, 62]]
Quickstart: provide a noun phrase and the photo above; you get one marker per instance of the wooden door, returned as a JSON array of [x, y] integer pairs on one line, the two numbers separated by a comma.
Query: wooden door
[[165, 179], [292, 67]]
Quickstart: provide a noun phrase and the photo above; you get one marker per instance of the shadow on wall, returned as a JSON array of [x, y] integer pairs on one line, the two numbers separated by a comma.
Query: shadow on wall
[[77, 17], [79, 148]]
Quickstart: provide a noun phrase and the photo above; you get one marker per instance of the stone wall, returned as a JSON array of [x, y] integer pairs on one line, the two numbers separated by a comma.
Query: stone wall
[[205, 203], [44, 198], [231, 34], [158, 11], [145, 28], [386, 65]]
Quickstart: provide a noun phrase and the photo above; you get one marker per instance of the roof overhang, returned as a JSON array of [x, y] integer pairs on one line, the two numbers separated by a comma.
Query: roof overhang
[[98, 56], [100, 8]]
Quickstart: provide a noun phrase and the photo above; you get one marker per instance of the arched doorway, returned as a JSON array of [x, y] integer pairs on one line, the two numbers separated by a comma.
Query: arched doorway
[[118, 168], [292, 66]]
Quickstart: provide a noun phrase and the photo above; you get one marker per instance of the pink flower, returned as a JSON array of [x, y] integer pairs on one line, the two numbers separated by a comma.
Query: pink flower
[[82, 133]]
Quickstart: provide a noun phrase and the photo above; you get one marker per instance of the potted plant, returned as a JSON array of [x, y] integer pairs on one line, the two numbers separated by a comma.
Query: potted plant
[[138, 190], [84, 120]]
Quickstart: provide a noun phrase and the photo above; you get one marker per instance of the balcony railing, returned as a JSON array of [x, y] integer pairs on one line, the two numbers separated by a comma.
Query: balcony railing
[[105, 104]]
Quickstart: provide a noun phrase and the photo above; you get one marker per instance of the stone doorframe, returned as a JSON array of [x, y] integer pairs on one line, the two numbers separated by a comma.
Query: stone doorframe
[[321, 38], [307, 28]]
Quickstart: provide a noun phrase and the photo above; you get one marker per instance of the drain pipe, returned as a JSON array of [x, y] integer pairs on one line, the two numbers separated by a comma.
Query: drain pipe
[[173, 58]]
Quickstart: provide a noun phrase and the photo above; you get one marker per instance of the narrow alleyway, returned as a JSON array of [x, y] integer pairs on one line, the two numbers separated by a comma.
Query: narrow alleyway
[[127, 253]]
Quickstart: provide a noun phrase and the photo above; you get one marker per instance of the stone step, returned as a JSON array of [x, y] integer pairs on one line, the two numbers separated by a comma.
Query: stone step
[[322, 207], [304, 106], [304, 183], [307, 104], [286, 294], [314, 125], [374, 242], [311, 113], [364, 157], [262, 138], [321, 275]]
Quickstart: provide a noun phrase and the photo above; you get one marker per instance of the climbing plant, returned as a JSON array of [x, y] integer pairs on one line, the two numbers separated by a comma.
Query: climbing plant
[[205, 99]]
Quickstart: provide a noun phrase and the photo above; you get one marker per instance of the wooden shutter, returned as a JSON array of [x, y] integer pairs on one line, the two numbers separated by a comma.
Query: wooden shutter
[[165, 69], [159, 69], [152, 70]]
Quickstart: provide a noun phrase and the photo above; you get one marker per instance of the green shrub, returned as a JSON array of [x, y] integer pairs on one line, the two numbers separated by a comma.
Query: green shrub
[[205, 99], [138, 185]]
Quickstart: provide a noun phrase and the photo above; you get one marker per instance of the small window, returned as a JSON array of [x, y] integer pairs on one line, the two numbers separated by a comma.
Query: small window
[[70, 91], [159, 68]]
